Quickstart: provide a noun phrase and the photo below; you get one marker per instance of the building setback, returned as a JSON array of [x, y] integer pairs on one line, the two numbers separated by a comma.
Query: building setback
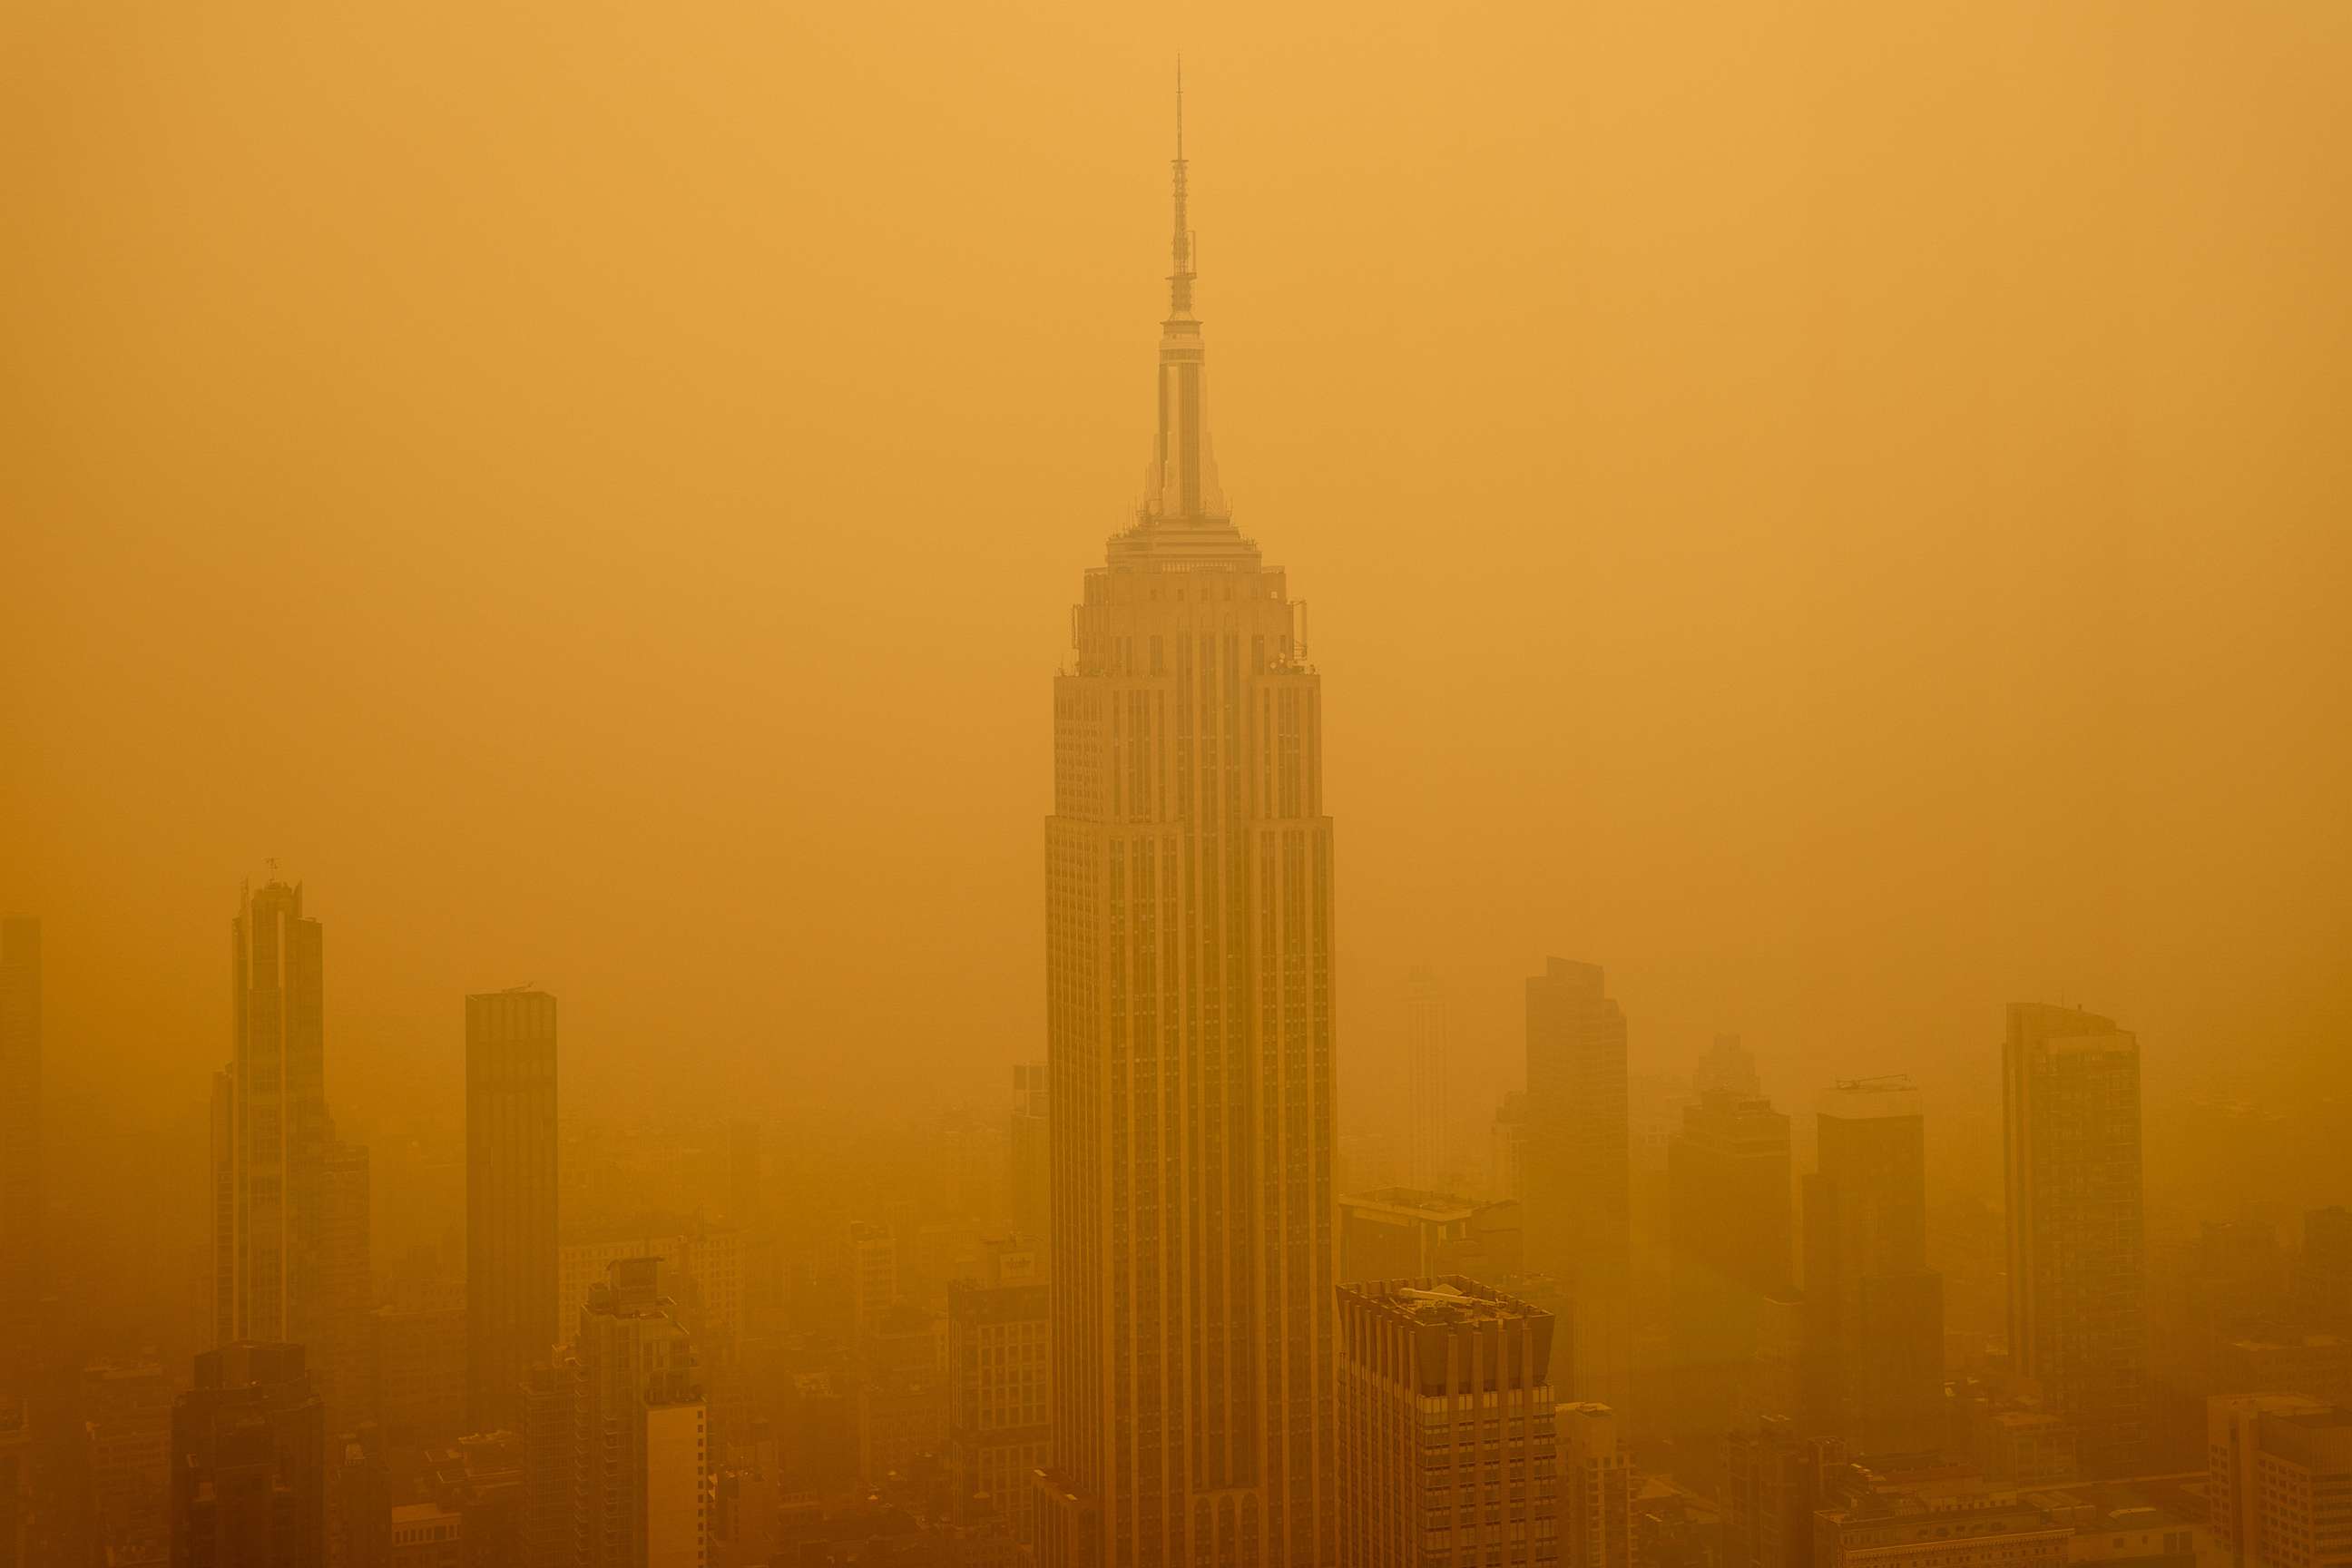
[[1578, 1141]]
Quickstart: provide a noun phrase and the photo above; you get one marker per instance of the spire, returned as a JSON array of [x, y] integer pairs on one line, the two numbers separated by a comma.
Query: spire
[[1182, 481], [1180, 281]]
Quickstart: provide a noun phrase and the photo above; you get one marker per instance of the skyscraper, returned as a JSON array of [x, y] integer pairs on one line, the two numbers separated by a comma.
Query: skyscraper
[[1875, 1331], [510, 1226], [617, 1443], [1579, 1167], [270, 1133], [999, 1383], [20, 1135], [1446, 1451], [1597, 1485], [2077, 1261], [1190, 1029], [1427, 1165], [2279, 1481], [1727, 1173], [248, 1486]]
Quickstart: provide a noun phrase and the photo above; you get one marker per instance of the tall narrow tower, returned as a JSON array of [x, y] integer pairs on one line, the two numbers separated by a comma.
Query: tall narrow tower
[[270, 1133], [1579, 1168], [2077, 1256], [1190, 1036], [511, 1239]]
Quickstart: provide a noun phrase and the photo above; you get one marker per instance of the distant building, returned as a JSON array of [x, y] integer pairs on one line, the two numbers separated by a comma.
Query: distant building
[[1729, 1176], [2322, 1274], [999, 1383], [248, 1462], [1876, 1309], [290, 1205], [1597, 1481], [1447, 1451], [2077, 1258], [513, 1316], [1428, 1162], [346, 1285], [1726, 1067], [1579, 1168], [1773, 1479], [616, 1443], [2279, 1481], [20, 1130], [1398, 1233], [420, 1366], [1891, 1529], [127, 1426]]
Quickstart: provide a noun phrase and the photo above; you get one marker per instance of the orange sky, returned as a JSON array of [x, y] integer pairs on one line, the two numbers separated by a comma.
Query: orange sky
[[1837, 513]]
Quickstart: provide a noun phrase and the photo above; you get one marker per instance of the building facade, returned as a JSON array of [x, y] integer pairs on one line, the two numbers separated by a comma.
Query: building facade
[[1579, 1168], [2077, 1254], [1728, 1179], [1447, 1452], [511, 1314], [1876, 1328], [617, 1443], [2279, 1481], [1000, 1385], [1190, 1036], [248, 1486]]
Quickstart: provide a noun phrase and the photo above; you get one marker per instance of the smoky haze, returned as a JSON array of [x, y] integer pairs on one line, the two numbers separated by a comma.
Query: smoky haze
[[1836, 513]]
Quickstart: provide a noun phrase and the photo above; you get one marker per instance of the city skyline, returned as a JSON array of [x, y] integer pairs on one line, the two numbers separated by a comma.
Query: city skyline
[[1828, 1049]]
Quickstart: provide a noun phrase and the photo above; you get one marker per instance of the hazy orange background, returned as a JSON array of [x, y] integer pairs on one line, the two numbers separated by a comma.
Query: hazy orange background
[[1838, 513]]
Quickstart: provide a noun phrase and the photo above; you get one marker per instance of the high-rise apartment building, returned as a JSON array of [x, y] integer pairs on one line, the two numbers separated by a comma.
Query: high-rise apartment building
[[616, 1443], [248, 1487], [1446, 1449], [20, 1135], [1428, 1165], [2279, 1481], [1579, 1168], [999, 1383], [1597, 1483], [1190, 1034], [1875, 1329], [2077, 1258], [1727, 1176], [511, 1321]]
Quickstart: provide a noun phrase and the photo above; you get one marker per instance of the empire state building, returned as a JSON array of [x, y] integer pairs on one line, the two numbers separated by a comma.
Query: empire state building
[[1190, 1034]]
